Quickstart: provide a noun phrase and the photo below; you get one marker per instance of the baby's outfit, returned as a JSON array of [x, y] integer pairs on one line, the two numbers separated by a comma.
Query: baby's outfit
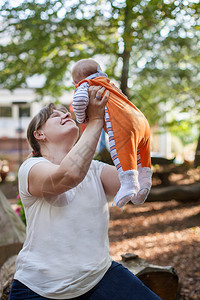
[[129, 138]]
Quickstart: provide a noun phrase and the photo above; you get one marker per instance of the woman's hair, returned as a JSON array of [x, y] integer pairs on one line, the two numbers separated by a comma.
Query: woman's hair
[[37, 122]]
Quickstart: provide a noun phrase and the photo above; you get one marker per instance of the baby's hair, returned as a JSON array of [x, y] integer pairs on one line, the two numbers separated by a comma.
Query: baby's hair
[[84, 68]]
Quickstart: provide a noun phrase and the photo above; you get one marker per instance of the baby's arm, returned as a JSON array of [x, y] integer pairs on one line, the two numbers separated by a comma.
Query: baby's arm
[[80, 102]]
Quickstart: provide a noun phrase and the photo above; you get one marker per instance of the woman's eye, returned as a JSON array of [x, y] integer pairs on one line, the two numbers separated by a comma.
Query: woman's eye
[[54, 115]]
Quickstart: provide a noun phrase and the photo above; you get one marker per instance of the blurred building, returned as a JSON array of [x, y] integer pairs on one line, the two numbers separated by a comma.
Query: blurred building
[[16, 110], [19, 106]]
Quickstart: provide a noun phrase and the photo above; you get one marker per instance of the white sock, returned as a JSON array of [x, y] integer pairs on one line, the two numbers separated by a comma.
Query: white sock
[[129, 187], [145, 182]]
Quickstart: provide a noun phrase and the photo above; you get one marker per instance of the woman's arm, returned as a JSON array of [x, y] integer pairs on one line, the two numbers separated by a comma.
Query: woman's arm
[[48, 179], [110, 180]]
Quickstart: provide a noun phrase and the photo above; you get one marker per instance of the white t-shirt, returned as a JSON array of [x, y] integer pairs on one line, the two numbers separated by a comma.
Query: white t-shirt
[[66, 252]]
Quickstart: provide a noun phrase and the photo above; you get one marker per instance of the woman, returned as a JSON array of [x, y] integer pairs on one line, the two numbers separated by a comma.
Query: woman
[[66, 252]]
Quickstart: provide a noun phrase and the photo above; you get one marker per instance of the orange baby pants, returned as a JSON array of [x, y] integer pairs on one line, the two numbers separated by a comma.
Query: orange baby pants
[[127, 127]]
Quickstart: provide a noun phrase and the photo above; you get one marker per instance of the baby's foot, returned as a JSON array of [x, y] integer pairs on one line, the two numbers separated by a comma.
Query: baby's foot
[[129, 187], [145, 182]]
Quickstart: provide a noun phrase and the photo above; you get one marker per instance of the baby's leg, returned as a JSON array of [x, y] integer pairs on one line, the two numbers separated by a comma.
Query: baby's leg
[[144, 174], [129, 178], [112, 145]]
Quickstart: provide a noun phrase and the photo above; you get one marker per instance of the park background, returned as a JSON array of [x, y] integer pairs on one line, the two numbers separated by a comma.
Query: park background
[[151, 50]]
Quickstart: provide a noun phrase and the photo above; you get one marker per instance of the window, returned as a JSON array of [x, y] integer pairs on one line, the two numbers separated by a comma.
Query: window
[[24, 111], [5, 111]]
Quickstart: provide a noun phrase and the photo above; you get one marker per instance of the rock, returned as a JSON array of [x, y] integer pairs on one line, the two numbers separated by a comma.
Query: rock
[[12, 231]]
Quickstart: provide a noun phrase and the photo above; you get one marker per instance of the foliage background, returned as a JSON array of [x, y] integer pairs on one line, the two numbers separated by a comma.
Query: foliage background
[[150, 48]]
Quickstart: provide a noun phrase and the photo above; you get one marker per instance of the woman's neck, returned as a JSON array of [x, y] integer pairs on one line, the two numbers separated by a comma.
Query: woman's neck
[[55, 155]]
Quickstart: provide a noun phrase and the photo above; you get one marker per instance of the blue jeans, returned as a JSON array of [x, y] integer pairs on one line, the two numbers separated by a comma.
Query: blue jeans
[[117, 284]]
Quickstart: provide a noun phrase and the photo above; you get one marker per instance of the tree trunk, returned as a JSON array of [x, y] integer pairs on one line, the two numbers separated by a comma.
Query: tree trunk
[[125, 70], [197, 155], [128, 42]]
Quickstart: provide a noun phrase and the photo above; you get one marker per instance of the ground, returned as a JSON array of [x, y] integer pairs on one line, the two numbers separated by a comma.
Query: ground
[[163, 233]]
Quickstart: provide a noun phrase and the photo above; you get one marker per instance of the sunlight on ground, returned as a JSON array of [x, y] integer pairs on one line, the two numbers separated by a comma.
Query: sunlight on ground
[[163, 233]]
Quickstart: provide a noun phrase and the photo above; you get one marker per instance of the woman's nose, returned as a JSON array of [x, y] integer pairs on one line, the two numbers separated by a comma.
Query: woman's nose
[[66, 115]]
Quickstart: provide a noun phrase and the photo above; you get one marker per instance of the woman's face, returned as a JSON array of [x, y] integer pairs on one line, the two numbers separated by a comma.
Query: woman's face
[[60, 126]]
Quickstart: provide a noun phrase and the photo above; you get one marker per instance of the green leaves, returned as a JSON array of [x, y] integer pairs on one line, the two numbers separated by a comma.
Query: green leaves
[[150, 47]]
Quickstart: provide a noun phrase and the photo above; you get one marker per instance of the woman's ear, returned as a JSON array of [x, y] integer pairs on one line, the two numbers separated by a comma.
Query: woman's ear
[[39, 135]]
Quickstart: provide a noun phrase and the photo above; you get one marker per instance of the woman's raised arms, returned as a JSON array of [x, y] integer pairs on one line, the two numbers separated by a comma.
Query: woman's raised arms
[[49, 178]]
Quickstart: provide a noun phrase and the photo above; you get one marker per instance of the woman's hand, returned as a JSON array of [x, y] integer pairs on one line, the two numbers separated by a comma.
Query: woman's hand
[[98, 99]]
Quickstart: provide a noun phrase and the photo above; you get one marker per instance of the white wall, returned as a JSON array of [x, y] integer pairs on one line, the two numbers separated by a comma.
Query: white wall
[[8, 126]]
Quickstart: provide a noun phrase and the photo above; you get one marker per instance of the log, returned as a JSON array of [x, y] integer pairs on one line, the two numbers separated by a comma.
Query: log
[[6, 277], [162, 280], [164, 170], [182, 193], [157, 160], [164, 177]]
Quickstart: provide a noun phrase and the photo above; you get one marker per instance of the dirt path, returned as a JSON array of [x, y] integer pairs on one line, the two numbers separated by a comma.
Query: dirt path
[[163, 233]]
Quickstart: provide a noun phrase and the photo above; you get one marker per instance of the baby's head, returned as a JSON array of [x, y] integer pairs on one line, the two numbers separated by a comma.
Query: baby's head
[[84, 68]]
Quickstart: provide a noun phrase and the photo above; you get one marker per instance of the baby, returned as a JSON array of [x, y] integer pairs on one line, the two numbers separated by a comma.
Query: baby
[[127, 128]]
